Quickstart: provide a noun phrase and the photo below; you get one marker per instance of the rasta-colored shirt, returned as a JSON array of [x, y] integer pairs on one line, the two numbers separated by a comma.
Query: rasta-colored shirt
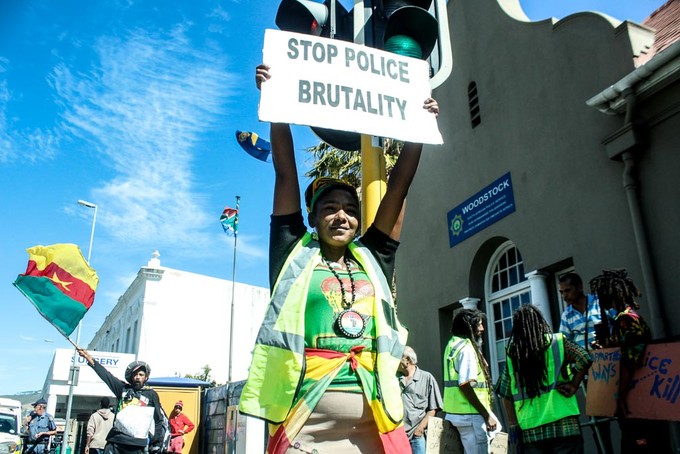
[[325, 302], [324, 299], [631, 333]]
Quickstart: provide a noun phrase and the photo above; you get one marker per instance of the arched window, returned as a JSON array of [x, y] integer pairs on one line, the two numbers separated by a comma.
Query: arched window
[[506, 289]]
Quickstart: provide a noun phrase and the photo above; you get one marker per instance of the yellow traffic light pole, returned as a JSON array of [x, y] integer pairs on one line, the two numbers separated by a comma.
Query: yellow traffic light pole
[[373, 179], [373, 174]]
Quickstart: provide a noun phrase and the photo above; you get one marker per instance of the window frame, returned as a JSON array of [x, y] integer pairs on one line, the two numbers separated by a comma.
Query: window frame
[[518, 289]]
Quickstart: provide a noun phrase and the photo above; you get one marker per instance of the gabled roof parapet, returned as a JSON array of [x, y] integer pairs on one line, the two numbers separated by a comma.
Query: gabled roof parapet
[[513, 9], [641, 37]]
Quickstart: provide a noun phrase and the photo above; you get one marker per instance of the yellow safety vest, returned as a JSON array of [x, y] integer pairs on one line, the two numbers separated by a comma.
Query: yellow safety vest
[[551, 405], [277, 367], [454, 400]]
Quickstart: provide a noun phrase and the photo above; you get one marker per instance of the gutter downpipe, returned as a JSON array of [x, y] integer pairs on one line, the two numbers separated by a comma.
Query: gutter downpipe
[[640, 232], [631, 187]]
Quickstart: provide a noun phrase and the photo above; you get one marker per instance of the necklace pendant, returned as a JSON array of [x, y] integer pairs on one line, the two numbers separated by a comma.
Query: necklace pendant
[[350, 323]]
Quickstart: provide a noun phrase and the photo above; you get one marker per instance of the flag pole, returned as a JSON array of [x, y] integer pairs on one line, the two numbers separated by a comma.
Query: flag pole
[[74, 370], [72, 343], [233, 285]]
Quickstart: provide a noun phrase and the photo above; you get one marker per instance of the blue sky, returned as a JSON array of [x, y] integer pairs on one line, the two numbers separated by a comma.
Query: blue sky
[[132, 105]]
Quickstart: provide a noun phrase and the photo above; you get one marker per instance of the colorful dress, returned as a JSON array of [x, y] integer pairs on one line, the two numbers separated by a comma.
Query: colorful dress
[[299, 355]]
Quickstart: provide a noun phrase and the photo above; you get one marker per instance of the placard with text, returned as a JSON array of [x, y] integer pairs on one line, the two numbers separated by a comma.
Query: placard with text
[[655, 392], [345, 86]]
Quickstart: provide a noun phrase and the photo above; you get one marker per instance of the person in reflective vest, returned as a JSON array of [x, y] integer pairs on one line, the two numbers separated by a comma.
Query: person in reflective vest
[[543, 372], [467, 400], [323, 370]]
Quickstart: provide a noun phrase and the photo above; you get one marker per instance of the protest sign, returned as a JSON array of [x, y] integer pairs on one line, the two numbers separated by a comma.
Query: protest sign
[[345, 86], [655, 391], [603, 382], [442, 437]]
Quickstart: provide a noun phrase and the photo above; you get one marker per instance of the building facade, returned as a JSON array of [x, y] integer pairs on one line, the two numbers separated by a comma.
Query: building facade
[[543, 170], [179, 322]]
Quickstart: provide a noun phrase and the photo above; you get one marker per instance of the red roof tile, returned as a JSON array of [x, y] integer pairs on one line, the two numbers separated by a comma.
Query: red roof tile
[[666, 22]]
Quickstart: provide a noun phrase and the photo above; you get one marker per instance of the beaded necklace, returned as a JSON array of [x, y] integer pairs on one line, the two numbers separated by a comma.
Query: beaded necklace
[[349, 322], [348, 263]]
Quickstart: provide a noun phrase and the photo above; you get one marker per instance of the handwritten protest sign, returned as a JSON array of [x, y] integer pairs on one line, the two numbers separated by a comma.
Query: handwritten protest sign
[[442, 437], [603, 382], [345, 86], [655, 392]]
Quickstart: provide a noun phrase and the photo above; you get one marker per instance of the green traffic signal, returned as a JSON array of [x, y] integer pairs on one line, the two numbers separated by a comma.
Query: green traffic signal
[[410, 29]]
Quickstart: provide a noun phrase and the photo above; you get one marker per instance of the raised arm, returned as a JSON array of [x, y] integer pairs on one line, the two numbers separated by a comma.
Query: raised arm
[[400, 180], [286, 186], [115, 385]]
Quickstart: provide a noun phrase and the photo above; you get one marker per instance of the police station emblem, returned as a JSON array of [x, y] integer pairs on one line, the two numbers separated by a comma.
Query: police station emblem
[[457, 225]]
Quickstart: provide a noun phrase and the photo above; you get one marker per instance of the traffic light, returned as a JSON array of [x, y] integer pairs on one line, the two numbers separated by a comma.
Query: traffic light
[[409, 29], [302, 16], [404, 27], [315, 18], [342, 140]]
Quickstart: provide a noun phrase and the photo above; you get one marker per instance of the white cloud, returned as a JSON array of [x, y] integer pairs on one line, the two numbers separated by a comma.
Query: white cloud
[[220, 13], [32, 145], [144, 107], [5, 142]]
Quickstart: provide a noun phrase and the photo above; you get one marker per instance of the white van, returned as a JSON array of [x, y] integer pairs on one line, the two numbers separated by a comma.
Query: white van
[[10, 425]]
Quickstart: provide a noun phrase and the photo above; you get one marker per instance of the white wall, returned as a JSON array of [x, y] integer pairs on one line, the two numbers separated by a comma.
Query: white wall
[[183, 323]]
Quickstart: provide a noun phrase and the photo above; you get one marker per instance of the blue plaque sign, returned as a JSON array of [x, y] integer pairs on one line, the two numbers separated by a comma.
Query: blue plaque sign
[[486, 207]]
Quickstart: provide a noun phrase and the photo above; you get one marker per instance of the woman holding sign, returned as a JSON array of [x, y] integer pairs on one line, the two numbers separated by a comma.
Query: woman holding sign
[[324, 365], [616, 290]]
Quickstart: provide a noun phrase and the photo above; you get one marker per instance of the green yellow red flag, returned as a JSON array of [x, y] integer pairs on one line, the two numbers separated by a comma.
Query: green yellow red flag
[[60, 284]]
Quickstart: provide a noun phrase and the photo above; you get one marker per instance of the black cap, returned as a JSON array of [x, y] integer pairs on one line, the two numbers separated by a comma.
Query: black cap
[[40, 401], [135, 366]]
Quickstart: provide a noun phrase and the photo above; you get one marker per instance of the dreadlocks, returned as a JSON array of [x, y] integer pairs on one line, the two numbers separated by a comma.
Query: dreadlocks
[[617, 288], [464, 325], [614, 288], [530, 338]]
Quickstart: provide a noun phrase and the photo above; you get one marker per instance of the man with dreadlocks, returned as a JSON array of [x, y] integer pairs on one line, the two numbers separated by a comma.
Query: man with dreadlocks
[[538, 394], [467, 400], [615, 289]]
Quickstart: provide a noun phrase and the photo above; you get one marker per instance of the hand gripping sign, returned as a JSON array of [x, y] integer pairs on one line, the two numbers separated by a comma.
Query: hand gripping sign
[[340, 85]]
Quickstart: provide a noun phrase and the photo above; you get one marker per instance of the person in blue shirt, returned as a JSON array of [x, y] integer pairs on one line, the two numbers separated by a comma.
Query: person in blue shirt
[[578, 324], [40, 427], [582, 313]]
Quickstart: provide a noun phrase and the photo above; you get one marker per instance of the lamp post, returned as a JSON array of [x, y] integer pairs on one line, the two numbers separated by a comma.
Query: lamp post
[[74, 371], [94, 222]]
